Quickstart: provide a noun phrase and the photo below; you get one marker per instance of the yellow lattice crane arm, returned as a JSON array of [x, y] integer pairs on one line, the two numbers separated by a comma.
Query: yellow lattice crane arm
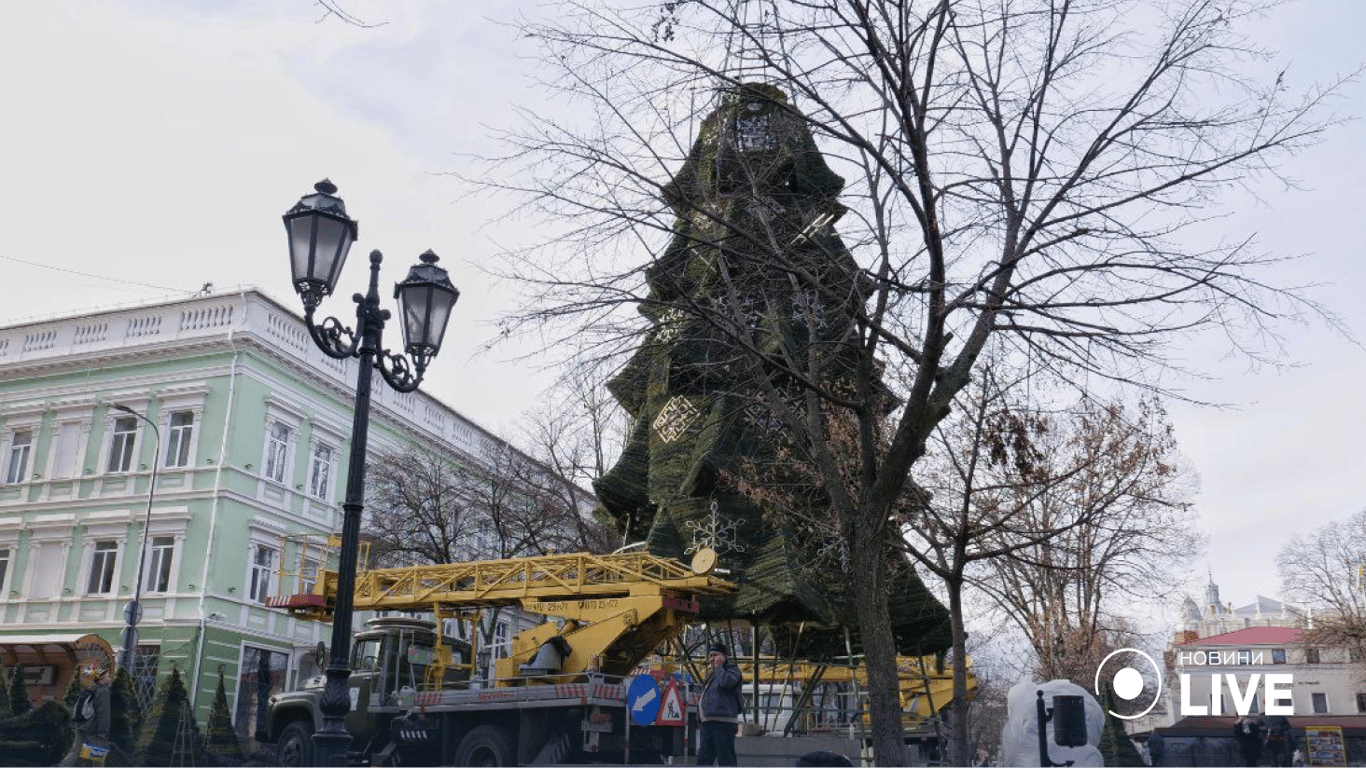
[[514, 581], [617, 608]]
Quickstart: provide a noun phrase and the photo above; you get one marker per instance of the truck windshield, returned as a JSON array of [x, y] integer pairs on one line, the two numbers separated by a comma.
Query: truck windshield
[[365, 657]]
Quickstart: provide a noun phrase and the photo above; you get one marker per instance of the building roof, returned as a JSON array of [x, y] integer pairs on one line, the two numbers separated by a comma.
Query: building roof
[[1252, 636], [1353, 726]]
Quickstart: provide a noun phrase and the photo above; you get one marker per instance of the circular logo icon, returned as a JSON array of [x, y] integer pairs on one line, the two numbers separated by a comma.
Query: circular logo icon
[[1124, 670]]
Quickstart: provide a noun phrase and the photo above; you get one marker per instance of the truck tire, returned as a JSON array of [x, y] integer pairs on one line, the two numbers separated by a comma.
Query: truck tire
[[295, 748], [487, 745]]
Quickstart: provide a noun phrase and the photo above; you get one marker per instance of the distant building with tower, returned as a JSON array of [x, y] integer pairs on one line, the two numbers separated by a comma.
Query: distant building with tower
[[1217, 641]]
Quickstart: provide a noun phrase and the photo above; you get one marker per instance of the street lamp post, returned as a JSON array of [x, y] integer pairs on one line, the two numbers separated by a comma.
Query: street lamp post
[[320, 236], [132, 613]]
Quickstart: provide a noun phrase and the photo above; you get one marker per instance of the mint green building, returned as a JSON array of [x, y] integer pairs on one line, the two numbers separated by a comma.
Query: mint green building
[[254, 427]]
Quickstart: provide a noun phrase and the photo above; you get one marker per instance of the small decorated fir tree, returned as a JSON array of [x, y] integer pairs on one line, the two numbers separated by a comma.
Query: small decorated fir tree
[[73, 689], [125, 713], [5, 711], [36, 737], [169, 735], [221, 743], [18, 692], [1115, 745]]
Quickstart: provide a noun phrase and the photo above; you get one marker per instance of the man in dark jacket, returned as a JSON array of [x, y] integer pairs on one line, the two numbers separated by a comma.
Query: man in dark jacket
[[1278, 739], [95, 730], [1157, 749], [719, 709], [1248, 733]]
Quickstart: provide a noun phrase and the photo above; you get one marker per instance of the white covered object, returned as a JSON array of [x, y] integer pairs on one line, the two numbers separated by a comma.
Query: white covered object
[[1020, 737]]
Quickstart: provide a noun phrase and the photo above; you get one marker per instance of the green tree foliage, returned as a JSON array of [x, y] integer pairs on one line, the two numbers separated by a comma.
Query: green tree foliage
[[5, 711], [18, 692], [125, 713], [169, 734], [37, 736], [73, 689], [1115, 745], [221, 744]]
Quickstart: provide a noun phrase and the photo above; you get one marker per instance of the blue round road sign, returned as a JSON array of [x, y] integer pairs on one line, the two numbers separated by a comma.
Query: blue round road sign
[[642, 699]]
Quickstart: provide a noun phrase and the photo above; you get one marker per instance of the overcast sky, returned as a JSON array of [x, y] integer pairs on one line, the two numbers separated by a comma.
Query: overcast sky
[[149, 147]]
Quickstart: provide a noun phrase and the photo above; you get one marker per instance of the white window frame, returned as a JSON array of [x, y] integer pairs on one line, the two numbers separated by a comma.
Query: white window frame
[[104, 565], [308, 574], [6, 560], [160, 564], [1327, 706], [123, 445], [18, 456], [320, 470], [76, 468], [276, 461], [49, 544], [261, 576], [180, 439]]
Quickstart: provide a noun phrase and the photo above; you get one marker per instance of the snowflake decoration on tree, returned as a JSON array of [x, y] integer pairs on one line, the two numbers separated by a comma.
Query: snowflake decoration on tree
[[713, 534], [836, 549]]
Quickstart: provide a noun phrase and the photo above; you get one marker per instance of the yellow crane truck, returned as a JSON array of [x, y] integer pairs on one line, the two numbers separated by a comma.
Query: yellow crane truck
[[564, 695]]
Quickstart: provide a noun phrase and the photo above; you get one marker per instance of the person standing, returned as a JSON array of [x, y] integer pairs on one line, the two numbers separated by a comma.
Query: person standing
[[92, 726], [1157, 748], [1278, 737], [719, 709], [1248, 733]]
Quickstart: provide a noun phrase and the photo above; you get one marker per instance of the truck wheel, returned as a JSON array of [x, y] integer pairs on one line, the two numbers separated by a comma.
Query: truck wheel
[[296, 745], [490, 745]]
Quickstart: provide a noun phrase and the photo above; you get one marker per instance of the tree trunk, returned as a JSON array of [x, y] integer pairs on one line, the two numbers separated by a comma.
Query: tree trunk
[[884, 690], [958, 739]]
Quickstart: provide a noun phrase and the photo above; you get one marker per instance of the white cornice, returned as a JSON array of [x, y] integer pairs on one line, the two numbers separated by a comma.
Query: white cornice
[[207, 326]]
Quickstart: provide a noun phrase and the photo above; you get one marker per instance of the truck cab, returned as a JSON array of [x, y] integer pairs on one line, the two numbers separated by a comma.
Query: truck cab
[[391, 660]]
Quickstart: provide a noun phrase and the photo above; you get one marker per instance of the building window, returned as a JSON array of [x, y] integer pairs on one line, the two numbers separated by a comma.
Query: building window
[[121, 445], [501, 643], [308, 576], [159, 564], [20, 447], [1320, 703], [102, 568], [1361, 703], [320, 471], [262, 570], [1311, 656], [277, 451], [145, 662], [261, 673], [66, 451], [4, 571], [178, 439], [1277, 655], [1354, 654]]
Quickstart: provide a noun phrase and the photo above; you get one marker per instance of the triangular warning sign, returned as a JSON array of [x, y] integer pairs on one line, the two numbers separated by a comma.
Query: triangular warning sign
[[671, 710]]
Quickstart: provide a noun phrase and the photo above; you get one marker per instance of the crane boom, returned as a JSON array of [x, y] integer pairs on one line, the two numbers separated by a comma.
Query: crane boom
[[617, 608], [514, 581]]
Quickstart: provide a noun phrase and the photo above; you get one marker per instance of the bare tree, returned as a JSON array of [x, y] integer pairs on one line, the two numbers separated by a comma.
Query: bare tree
[[426, 507], [1126, 526], [1326, 571], [576, 428], [1059, 518], [1027, 169]]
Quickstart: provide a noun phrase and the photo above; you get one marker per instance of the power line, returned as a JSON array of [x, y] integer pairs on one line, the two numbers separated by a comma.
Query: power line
[[87, 274]]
